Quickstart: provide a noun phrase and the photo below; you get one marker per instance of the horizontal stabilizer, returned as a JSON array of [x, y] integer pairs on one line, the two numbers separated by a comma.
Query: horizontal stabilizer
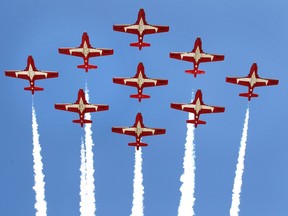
[[140, 45], [87, 67], [32, 89], [137, 145], [196, 122], [248, 95], [139, 96], [84, 121], [195, 72]]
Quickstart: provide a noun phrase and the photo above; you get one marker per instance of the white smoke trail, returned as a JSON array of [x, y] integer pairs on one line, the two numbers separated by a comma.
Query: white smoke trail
[[138, 188], [39, 186], [234, 210], [83, 181], [91, 205], [188, 177]]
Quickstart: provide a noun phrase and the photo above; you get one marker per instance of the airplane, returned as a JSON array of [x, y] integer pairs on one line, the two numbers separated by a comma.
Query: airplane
[[140, 81], [251, 81], [81, 106], [197, 107], [31, 74], [140, 28], [86, 51], [138, 130], [197, 56]]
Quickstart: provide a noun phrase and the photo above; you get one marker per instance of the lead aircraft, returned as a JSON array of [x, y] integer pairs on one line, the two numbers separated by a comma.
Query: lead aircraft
[[197, 56], [197, 107], [138, 130], [86, 51], [81, 106], [140, 81], [140, 28], [31, 74], [251, 81]]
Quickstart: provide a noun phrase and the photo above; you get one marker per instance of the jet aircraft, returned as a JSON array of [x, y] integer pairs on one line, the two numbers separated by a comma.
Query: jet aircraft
[[86, 51], [140, 28], [138, 130], [197, 56], [31, 74], [140, 81], [251, 81], [197, 107], [81, 106]]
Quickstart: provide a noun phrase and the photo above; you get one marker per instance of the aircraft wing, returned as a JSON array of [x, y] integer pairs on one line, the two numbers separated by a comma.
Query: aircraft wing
[[146, 82], [93, 52], [206, 57], [128, 28], [88, 107], [37, 74], [132, 131], [246, 81], [190, 57], [125, 81], [71, 51], [154, 82], [153, 29], [100, 52], [17, 74], [45, 75], [95, 107], [239, 80], [192, 108], [152, 131], [68, 107], [134, 28], [183, 107], [184, 56], [211, 109], [124, 130], [265, 82]]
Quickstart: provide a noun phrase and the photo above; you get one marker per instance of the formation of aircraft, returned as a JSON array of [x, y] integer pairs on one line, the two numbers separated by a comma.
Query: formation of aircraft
[[81, 106], [86, 51], [140, 28], [31, 74], [197, 56], [140, 81], [197, 107], [251, 81], [138, 130]]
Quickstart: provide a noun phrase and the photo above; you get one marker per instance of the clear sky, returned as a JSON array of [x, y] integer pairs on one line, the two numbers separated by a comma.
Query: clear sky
[[244, 31]]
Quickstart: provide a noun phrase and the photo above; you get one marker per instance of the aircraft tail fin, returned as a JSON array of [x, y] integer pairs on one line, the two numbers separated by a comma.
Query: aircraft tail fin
[[139, 96], [248, 95], [87, 67], [193, 121], [140, 45], [33, 89], [82, 122], [195, 72], [138, 145]]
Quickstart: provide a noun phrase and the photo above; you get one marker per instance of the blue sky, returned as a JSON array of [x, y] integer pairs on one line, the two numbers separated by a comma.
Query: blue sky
[[244, 31]]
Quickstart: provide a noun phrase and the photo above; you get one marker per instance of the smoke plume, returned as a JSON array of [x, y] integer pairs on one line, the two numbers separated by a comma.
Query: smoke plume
[[234, 210]]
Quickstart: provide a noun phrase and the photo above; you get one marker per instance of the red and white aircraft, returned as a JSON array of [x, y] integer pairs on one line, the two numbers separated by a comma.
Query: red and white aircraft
[[31, 74], [81, 106], [86, 51], [138, 130], [197, 107], [197, 56], [140, 81], [140, 28], [251, 81]]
